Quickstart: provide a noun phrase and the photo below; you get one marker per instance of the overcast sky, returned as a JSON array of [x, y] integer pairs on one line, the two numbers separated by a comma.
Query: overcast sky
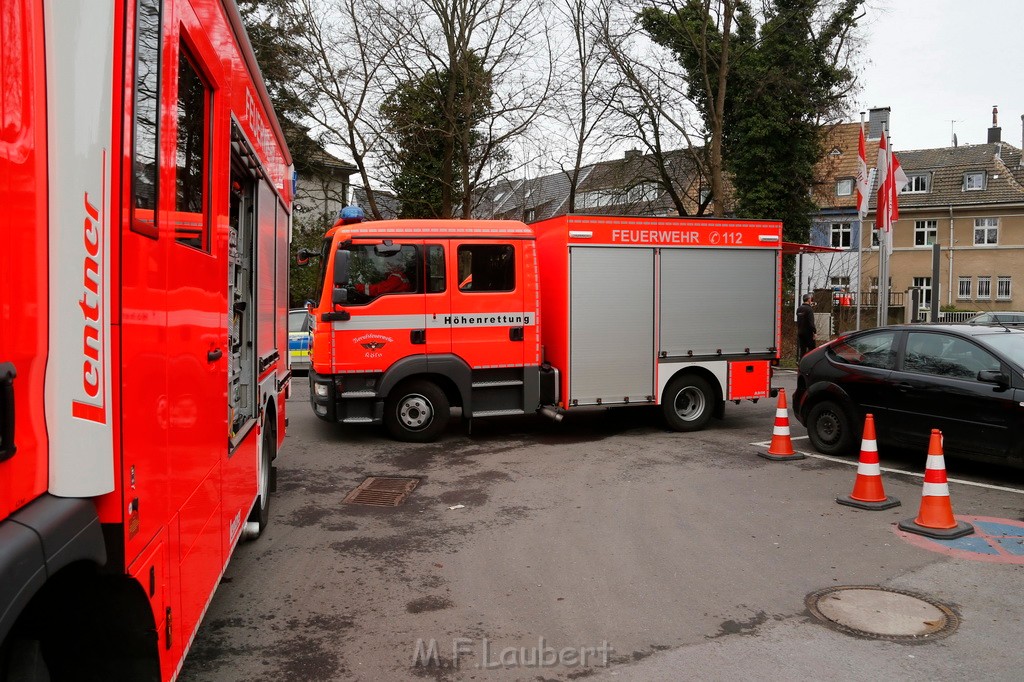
[[937, 61]]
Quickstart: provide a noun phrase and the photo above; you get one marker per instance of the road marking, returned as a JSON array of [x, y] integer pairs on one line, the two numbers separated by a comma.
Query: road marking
[[854, 463]]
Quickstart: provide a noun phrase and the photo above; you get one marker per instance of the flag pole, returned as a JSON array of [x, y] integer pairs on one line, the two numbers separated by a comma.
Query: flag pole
[[884, 235], [860, 243]]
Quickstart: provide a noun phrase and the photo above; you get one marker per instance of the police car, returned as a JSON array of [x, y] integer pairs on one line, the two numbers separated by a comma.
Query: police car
[[298, 339]]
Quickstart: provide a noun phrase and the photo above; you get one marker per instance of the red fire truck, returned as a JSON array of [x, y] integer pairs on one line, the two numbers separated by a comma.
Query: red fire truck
[[146, 193], [499, 318]]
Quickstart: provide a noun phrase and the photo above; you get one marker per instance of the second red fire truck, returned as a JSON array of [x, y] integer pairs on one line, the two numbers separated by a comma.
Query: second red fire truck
[[500, 318]]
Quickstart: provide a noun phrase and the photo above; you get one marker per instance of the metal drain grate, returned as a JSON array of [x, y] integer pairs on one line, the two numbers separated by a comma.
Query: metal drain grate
[[377, 491]]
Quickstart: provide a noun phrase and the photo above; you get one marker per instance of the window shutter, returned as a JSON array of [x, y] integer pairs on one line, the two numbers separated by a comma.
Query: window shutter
[[854, 234]]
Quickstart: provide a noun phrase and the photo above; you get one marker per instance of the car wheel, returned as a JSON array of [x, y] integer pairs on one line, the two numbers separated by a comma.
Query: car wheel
[[687, 403], [416, 412], [830, 430], [260, 513]]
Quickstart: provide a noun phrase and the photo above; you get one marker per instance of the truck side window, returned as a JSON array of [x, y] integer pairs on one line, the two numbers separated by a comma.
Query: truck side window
[[372, 275], [487, 267], [435, 269]]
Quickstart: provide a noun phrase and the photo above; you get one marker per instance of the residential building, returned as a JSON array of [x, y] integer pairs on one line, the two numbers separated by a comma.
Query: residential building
[[636, 184], [968, 199], [322, 184]]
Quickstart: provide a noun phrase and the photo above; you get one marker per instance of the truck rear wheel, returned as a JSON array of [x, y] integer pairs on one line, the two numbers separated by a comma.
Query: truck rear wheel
[[260, 513], [687, 403], [416, 412]]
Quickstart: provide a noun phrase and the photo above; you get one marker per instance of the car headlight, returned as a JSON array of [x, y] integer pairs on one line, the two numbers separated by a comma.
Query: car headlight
[[320, 390]]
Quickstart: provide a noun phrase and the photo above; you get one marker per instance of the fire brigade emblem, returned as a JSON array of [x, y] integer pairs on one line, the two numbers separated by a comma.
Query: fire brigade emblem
[[373, 345]]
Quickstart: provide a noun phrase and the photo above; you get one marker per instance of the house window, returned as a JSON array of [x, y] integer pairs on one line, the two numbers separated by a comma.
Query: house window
[[974, 180], [530, 215], [964, 288], [986, 231], [925, 284], [874, 237], [984, 287], [841, 235], [645, 191], [917, 183], [1003, 287], [924, 232], [844, 187], [839, 281]]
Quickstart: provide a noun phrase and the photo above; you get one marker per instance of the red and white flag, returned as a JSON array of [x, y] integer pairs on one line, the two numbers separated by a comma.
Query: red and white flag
[[891, 180], [863, 185]]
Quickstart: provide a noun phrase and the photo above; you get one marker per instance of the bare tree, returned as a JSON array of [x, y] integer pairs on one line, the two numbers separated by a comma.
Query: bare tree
[[348, 44], [657, 115], [585, 93], [502, 42]]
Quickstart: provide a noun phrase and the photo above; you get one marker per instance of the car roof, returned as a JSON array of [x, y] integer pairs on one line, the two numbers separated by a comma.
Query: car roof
[[963, 329]]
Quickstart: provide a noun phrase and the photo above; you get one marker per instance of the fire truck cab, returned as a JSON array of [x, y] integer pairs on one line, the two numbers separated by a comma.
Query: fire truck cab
[[497, 318]]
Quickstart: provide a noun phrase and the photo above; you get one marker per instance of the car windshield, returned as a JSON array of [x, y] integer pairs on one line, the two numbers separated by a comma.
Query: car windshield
[[1011, 345], [298, 321]]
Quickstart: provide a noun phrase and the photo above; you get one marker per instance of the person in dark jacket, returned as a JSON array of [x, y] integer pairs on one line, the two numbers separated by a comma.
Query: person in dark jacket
[[806, 331]]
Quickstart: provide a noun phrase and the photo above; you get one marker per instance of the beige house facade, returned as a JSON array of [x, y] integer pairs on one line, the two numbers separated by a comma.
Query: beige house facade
[[968, 199]]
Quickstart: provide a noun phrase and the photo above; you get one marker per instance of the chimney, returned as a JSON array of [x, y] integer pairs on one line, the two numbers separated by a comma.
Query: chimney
[[995, 132], [878, 119], [632, 153]]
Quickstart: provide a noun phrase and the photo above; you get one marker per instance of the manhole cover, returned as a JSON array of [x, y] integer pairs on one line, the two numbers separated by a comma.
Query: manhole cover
[[378, 491], [880, 613]]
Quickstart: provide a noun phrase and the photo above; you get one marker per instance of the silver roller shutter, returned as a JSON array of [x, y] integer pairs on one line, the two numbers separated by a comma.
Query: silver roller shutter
[[715, 299], [612, 325]]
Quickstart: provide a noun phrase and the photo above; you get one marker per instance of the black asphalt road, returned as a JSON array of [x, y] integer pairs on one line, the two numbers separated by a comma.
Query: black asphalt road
[[650, 554]]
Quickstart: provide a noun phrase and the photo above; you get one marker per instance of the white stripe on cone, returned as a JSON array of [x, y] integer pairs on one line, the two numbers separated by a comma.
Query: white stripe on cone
[[865, 469], [935, 490], [781, 431], [935, 462]]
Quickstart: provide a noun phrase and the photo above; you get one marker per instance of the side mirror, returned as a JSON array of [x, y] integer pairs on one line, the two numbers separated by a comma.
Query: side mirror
[[994, 376], [340, 293], [304, 256]]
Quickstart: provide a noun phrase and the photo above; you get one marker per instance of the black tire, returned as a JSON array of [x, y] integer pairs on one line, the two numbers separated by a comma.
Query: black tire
[[416, 412], [830, 429], [688, 403], [22, 659], [260, 513]]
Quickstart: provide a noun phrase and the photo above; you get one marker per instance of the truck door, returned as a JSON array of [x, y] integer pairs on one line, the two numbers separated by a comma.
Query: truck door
[[386, 304], [488, 313]]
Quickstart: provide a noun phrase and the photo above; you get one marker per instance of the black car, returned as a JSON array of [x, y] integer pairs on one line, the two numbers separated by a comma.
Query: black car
[[966, 381]]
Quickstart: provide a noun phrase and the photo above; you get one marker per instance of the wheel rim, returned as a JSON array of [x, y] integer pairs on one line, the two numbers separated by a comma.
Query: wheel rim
[[689, 403], [415, 412], [828, 427]]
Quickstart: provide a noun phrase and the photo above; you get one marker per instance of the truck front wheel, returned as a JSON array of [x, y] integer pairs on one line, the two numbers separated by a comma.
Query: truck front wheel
[[416, 412], [687, 403]]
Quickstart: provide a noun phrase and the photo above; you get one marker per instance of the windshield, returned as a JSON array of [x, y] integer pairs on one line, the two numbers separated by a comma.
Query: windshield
[[298, 321], [1011, 345]]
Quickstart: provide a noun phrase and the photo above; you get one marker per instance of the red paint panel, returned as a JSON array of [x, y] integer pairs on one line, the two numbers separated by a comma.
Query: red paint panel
[[23, 298], [749, 379]]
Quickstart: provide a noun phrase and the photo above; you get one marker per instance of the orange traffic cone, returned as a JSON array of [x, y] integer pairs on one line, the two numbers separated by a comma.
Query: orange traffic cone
[[782, 446], [936, 520], [867, 489]]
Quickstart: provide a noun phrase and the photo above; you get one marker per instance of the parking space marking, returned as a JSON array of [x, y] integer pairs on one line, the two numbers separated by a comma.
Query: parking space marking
[[994, 540], [853, 463]]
